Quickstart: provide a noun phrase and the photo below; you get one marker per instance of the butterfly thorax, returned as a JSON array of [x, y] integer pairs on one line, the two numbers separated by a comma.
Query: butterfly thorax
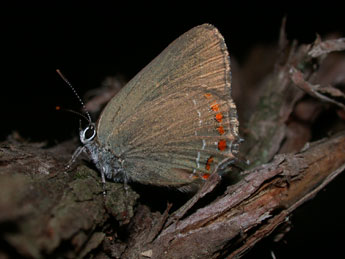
[[110, 165]]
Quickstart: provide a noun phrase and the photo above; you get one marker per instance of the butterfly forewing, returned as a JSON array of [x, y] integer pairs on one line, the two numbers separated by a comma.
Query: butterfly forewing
[[175, 120]]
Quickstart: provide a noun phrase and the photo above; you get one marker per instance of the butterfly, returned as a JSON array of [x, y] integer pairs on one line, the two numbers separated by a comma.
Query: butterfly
[[175, 122]]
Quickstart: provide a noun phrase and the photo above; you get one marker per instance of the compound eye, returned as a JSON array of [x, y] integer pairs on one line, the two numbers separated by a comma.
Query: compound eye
[[88, 134]]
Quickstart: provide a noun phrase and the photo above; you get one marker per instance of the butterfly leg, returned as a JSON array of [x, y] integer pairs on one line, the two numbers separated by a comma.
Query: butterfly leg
[[103, 184], [74, 157], [125, 185]]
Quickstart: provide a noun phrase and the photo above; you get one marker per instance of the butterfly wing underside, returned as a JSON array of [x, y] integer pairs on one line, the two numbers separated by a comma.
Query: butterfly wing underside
[[175, 121]]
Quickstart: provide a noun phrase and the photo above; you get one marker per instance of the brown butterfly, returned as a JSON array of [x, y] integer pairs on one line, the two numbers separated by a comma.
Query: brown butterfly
[[175, 122]]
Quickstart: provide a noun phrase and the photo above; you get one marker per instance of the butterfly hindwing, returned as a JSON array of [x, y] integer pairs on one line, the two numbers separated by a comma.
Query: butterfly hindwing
[[175, 121]]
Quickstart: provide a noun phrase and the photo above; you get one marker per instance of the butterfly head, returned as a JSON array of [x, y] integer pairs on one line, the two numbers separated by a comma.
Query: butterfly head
[[88, 134]]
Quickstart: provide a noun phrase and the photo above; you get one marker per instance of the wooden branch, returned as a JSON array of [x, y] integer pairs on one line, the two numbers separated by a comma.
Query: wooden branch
[[317, 91], [324, 47], [252, 208], [48, 206]]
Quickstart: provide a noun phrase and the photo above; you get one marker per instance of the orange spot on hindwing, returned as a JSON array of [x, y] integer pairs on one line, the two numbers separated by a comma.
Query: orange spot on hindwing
[[221, 130], [222, 144], [208, 96], [208, 163], [205, 176], [215, 107], [219, 117]]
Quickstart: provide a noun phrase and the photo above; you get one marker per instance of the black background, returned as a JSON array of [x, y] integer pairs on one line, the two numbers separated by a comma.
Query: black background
[[89, 41]]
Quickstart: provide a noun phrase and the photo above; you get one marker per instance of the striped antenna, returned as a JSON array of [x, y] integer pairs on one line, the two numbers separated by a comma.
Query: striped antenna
[[75, 93]]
